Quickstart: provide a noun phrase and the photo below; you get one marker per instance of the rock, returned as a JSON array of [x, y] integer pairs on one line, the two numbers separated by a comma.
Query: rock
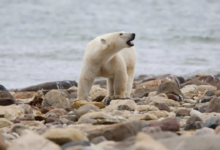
[[217, 92], [205, 99], [25, 96], [116, 132], [33, 123], [162, 106], [101, 83], [12, 112], [52, 117], [193, 81], [162, 135], [214, 105], [195, 113], [183, 112], [124, 107], [19, 128], [212, 122], [98, 118], [161, 100], [213, 80], [143, 90], [159, 114], [194, 122], [97, 93], [5, 97], [64, 135], [190, 91], [98, 139], [145, 142], [72, 145], [168, 124], [50, 86], [115, 103], [3, 145], [57, 99], [85, 109], [27, 108], [217, 130], [203, 88], [170, 87], [146, 108], [57, 111], [149, 130], [192, 143], [78, 104], [32, 141], [202, 107], [143, 117], [204, 131]]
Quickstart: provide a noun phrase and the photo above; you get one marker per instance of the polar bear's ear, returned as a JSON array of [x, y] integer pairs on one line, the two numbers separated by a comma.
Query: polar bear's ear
[[103, 41]]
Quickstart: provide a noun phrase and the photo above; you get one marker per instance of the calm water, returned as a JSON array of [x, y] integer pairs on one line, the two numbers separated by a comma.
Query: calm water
[[44, 40]]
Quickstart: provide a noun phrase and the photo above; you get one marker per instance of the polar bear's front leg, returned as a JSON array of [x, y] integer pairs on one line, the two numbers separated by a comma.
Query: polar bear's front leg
[[120, 82]]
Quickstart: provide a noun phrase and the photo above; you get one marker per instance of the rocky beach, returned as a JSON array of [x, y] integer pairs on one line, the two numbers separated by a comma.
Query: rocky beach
[[165, 113]]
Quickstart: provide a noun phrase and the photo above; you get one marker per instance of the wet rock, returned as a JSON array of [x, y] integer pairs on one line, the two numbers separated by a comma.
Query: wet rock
[[57, 99], [98, 139], [116, 132], [145, 142], [168, 124], [212, 122], [32, 141], [183, 112], [204, 131], [214, 105], [64, 135], [51, 85], [97, 93], [12, 112], [98, 118], [190, 91], [170, 87], [162, 106], [3, 145], [78, 104], [5, 97], [194, 122], [72, 145], [85, 109]]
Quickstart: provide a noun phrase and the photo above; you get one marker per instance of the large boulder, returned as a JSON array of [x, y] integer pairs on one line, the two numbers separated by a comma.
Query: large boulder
[[214, 105], [5, 97]]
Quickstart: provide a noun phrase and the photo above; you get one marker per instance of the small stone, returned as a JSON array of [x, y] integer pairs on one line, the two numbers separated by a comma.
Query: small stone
[[27, 108], [183, 112], [124, 107], [18, 128], [85, 109], [98, 139], [5, 97], [72, 145], [161, 100], [32, 141], [204, 131], [62, 136], [190, 91], [97, 93], [170, 87], [203, 88], [57, 99], [168, 124], [212, 122], [194, 122], [214, 105], [98, 118], [162, 106], [202, 107], [195, 113], [5, 123], [78, 104], [148, 130]]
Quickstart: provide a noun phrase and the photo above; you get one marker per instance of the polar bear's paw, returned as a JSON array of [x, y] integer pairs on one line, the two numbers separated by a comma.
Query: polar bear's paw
[[108, 99]]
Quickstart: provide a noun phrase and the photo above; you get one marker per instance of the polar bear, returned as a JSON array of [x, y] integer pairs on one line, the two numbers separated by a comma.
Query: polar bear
[[111, 56]]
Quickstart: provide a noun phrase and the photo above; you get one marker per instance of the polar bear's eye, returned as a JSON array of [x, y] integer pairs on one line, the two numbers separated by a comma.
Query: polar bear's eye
[[120, 33]]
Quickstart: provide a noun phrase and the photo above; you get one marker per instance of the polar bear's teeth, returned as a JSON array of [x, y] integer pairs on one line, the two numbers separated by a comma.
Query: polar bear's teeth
[[131, 43]]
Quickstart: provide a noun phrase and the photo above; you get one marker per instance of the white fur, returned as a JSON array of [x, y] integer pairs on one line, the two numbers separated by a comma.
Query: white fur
[[111, 57]]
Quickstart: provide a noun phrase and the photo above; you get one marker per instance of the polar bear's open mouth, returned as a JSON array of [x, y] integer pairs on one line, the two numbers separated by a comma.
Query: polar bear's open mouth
[[130, 43]]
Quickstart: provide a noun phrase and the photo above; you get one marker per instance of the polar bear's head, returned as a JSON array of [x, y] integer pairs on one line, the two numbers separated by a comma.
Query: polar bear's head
[[117, 40]]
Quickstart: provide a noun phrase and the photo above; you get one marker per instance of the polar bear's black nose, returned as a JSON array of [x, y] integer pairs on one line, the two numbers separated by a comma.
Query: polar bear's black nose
[[133, 35]]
